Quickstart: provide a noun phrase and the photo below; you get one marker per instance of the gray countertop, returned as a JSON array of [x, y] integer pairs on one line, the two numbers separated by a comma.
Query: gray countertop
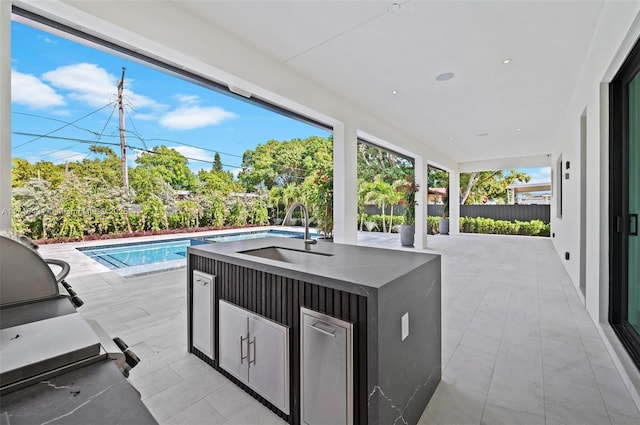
[[327, 263], [94, 394]]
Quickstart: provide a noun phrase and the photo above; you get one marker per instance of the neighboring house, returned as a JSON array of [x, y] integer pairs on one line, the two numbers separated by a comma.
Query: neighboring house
[[436, 195], [529, 193]]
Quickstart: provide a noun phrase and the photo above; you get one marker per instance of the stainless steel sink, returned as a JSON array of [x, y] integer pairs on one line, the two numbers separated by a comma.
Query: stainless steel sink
[[287, 255]]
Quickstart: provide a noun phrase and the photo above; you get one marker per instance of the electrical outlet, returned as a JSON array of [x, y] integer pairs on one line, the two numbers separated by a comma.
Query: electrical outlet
[[566, 255], [405, 326]]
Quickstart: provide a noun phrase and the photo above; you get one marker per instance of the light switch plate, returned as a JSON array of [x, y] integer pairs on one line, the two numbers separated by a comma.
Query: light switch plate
[[405, 326]]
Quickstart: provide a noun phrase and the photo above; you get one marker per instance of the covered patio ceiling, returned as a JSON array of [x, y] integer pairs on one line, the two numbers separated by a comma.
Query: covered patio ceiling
[[514, 64]]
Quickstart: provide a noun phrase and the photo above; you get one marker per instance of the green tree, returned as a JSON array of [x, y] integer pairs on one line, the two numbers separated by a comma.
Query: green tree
[[383, 194], [146, 183], [170, 165], [375, 162], [278, 164], [217, 163], [107, 169], [492, 184], [215, 181], [22, 171]]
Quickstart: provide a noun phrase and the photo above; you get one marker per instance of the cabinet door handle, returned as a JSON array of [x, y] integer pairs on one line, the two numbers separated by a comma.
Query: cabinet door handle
[[203, 282], [242, 356], [633, 224], [254, 351], [326, 332]]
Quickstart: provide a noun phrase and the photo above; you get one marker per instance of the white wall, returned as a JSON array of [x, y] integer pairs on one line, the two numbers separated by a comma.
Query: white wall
[[614, 27], [5, 115]]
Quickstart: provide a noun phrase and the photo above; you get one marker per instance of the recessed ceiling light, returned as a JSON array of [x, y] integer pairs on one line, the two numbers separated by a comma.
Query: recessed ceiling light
[[394, 92], [506, 61], [517, 129], [483, 134], [445, 76], [394, 7]]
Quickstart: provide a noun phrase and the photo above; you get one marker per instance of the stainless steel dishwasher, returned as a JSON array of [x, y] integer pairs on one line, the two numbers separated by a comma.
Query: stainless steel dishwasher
[[326, 369]]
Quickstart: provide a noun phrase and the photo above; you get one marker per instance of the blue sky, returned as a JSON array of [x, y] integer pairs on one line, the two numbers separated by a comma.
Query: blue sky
[[56, 81]]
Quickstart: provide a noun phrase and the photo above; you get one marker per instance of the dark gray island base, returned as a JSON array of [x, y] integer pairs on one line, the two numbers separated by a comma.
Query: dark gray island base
[[385, 294]]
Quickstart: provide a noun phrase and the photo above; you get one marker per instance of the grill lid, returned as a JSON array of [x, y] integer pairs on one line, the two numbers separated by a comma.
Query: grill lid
[[24, 274], [33, 348]]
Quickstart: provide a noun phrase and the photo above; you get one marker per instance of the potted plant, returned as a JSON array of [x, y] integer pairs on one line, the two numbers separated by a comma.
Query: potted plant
[[408, 190], [443, 225]]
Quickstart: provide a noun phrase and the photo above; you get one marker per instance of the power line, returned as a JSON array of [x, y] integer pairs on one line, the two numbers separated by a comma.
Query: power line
[[60, 128], [135, 148], [57, 120], [144, 140], [93, 142]]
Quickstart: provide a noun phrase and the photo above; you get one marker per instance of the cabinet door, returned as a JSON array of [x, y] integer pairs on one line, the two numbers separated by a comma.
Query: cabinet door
[[203, 313], [269, 360], [326, 369], [233, 340]]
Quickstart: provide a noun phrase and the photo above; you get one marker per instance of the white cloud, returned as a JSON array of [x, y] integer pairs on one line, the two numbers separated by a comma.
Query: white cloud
[[93, 85], [189, 118], [187, 99], [197, 153], [61, 156], [86, 82], [146, 117], [28, 90]]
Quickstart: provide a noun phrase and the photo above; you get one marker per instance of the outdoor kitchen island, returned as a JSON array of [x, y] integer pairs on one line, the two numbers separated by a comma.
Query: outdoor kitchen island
[[327, 333]]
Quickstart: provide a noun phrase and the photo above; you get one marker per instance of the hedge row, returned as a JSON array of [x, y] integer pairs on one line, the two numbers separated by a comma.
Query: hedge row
[[373, 223], [503, 227]]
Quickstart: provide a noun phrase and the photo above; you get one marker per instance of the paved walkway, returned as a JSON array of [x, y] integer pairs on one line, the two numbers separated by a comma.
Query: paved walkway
[[518, 347]]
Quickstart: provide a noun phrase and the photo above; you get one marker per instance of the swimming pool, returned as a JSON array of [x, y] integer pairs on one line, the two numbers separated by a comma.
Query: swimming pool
[[134, 258]]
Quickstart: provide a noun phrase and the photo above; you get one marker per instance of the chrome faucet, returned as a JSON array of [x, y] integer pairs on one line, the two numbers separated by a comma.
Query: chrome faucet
[[307, 239]]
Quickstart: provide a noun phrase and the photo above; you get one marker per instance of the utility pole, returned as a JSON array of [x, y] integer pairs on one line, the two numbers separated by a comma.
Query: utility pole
[[123, 137]]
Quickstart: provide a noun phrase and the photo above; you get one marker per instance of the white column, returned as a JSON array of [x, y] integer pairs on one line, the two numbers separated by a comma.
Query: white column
[[420, 170], [454, 202], [345, 183], [5, 115]]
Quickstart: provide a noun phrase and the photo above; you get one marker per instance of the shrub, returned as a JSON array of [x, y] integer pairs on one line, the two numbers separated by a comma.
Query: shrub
[[238, 214], [433, 224], [503, 227]]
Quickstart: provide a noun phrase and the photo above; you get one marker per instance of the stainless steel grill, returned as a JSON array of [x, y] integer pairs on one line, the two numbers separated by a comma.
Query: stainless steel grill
[[44, 339]]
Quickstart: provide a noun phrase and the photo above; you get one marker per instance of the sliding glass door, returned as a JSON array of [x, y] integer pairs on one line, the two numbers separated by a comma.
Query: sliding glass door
[[625, 204]]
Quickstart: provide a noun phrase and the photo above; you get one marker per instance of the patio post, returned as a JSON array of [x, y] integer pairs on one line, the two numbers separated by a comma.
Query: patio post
[[345, 183], [454, 202], [5, 115], [420, 173]]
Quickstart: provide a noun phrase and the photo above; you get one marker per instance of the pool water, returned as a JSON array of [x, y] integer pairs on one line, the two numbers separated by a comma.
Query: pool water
[[137, 255], [140, 253]]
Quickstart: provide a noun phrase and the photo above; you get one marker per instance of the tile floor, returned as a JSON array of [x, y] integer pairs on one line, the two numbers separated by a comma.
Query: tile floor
[[518, 347]]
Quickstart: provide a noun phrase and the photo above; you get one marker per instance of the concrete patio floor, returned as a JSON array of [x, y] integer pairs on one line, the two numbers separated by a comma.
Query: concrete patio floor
[[518, 346]]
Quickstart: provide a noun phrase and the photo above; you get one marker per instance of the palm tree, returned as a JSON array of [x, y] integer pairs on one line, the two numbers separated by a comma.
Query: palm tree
[[383, 195]]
